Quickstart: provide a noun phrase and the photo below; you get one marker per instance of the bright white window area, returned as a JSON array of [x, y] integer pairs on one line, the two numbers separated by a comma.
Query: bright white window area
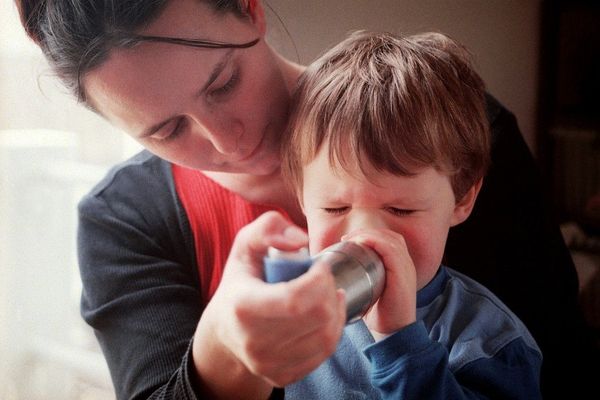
[[51, 152]]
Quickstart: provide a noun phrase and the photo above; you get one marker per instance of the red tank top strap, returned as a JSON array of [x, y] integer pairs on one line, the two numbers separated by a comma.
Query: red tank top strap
[[215, 215]]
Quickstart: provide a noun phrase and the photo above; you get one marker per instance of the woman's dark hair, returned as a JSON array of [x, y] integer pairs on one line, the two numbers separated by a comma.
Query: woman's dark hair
[[77, 35]]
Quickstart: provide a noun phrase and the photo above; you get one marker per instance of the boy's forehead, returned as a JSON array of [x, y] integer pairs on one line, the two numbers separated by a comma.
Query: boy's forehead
[[344, 160], [340, 177], [378, 190], [336, 181]]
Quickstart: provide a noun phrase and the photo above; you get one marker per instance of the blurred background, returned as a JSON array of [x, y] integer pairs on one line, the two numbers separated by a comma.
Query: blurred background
[[539, 58]]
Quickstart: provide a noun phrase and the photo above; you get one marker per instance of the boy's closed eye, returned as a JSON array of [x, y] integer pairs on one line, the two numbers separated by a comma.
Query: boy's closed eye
[[400, 212], [336, 210]]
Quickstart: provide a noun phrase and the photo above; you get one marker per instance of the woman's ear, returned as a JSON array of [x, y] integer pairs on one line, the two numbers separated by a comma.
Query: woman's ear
[[464, 206], [256, 12]]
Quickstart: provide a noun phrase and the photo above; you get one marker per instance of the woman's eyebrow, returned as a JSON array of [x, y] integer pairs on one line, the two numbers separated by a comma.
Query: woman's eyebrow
[[219, 67]]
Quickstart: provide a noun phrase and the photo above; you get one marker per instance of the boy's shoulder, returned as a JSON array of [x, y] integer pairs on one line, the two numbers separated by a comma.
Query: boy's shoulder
[[468, 318], [455, 295]]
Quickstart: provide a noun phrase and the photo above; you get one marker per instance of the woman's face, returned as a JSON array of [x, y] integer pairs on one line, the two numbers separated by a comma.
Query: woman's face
[[208, 109]]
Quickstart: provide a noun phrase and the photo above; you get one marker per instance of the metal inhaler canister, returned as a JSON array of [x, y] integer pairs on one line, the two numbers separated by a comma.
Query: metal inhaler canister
[[356, 269], [359, 271]]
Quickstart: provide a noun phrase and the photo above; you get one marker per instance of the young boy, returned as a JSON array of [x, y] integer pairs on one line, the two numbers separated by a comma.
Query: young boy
[[388, 147]]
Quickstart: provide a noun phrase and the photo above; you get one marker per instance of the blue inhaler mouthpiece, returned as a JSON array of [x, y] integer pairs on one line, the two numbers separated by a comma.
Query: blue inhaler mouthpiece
[[357, 269], [283, 266]]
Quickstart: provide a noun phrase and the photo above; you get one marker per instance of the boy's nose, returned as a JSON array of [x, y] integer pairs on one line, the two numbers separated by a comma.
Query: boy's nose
[[365, 219]]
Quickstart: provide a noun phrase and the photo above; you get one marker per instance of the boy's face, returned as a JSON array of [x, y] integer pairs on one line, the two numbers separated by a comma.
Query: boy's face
[[421, 207]]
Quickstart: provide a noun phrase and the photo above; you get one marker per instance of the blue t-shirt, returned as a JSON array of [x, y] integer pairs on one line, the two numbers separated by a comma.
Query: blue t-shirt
[[465, 344]]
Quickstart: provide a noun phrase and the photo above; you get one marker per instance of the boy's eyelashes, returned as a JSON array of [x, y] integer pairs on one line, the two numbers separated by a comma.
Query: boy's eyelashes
[[336, 210], [392, 210], [399, 211]]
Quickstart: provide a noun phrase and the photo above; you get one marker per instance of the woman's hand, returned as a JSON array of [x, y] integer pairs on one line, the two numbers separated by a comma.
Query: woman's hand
[[397, 306], [254, 335]]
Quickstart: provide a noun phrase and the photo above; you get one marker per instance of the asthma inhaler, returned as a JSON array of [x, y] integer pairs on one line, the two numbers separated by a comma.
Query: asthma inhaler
[[357, 269]]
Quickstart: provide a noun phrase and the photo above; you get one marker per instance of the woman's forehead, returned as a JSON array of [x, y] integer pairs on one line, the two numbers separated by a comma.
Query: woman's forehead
[[149, 81], [152, 78], [194, 19]]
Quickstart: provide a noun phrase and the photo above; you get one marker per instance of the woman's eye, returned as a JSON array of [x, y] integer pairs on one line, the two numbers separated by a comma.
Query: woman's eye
[[172, 131], [400, 212], [227, 87], [335, 211]]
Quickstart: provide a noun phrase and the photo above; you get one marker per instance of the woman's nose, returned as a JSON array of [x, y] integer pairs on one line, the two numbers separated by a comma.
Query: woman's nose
[[225, 137], [224, 133]]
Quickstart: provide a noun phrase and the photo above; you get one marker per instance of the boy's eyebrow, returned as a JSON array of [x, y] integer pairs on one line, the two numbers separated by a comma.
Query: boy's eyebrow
[[219, 67]]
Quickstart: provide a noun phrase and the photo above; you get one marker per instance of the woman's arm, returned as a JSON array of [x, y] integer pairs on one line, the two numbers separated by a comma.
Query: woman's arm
[[264, 335], [140, 285], [141, 295]]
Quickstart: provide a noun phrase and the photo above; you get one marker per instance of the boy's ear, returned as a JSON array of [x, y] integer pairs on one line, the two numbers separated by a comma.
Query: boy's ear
[[256, 12], [464, 206]]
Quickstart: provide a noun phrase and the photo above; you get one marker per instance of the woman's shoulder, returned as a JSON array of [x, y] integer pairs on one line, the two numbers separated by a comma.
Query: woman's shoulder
[[502, 121], [143, 183], [141, 170]]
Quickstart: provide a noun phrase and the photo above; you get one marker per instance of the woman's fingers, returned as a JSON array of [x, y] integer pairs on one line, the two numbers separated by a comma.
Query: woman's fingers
[[281, 331], [269, 229], [289, 332]]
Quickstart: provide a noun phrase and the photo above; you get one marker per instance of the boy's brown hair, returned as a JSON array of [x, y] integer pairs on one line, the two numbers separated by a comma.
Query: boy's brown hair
[[392, 103]]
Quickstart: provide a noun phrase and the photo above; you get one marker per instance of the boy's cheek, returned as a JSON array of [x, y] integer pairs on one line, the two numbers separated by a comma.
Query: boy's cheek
[[322, 235]]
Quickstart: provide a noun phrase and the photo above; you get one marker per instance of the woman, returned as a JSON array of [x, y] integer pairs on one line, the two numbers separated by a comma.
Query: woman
[[197, 85]]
